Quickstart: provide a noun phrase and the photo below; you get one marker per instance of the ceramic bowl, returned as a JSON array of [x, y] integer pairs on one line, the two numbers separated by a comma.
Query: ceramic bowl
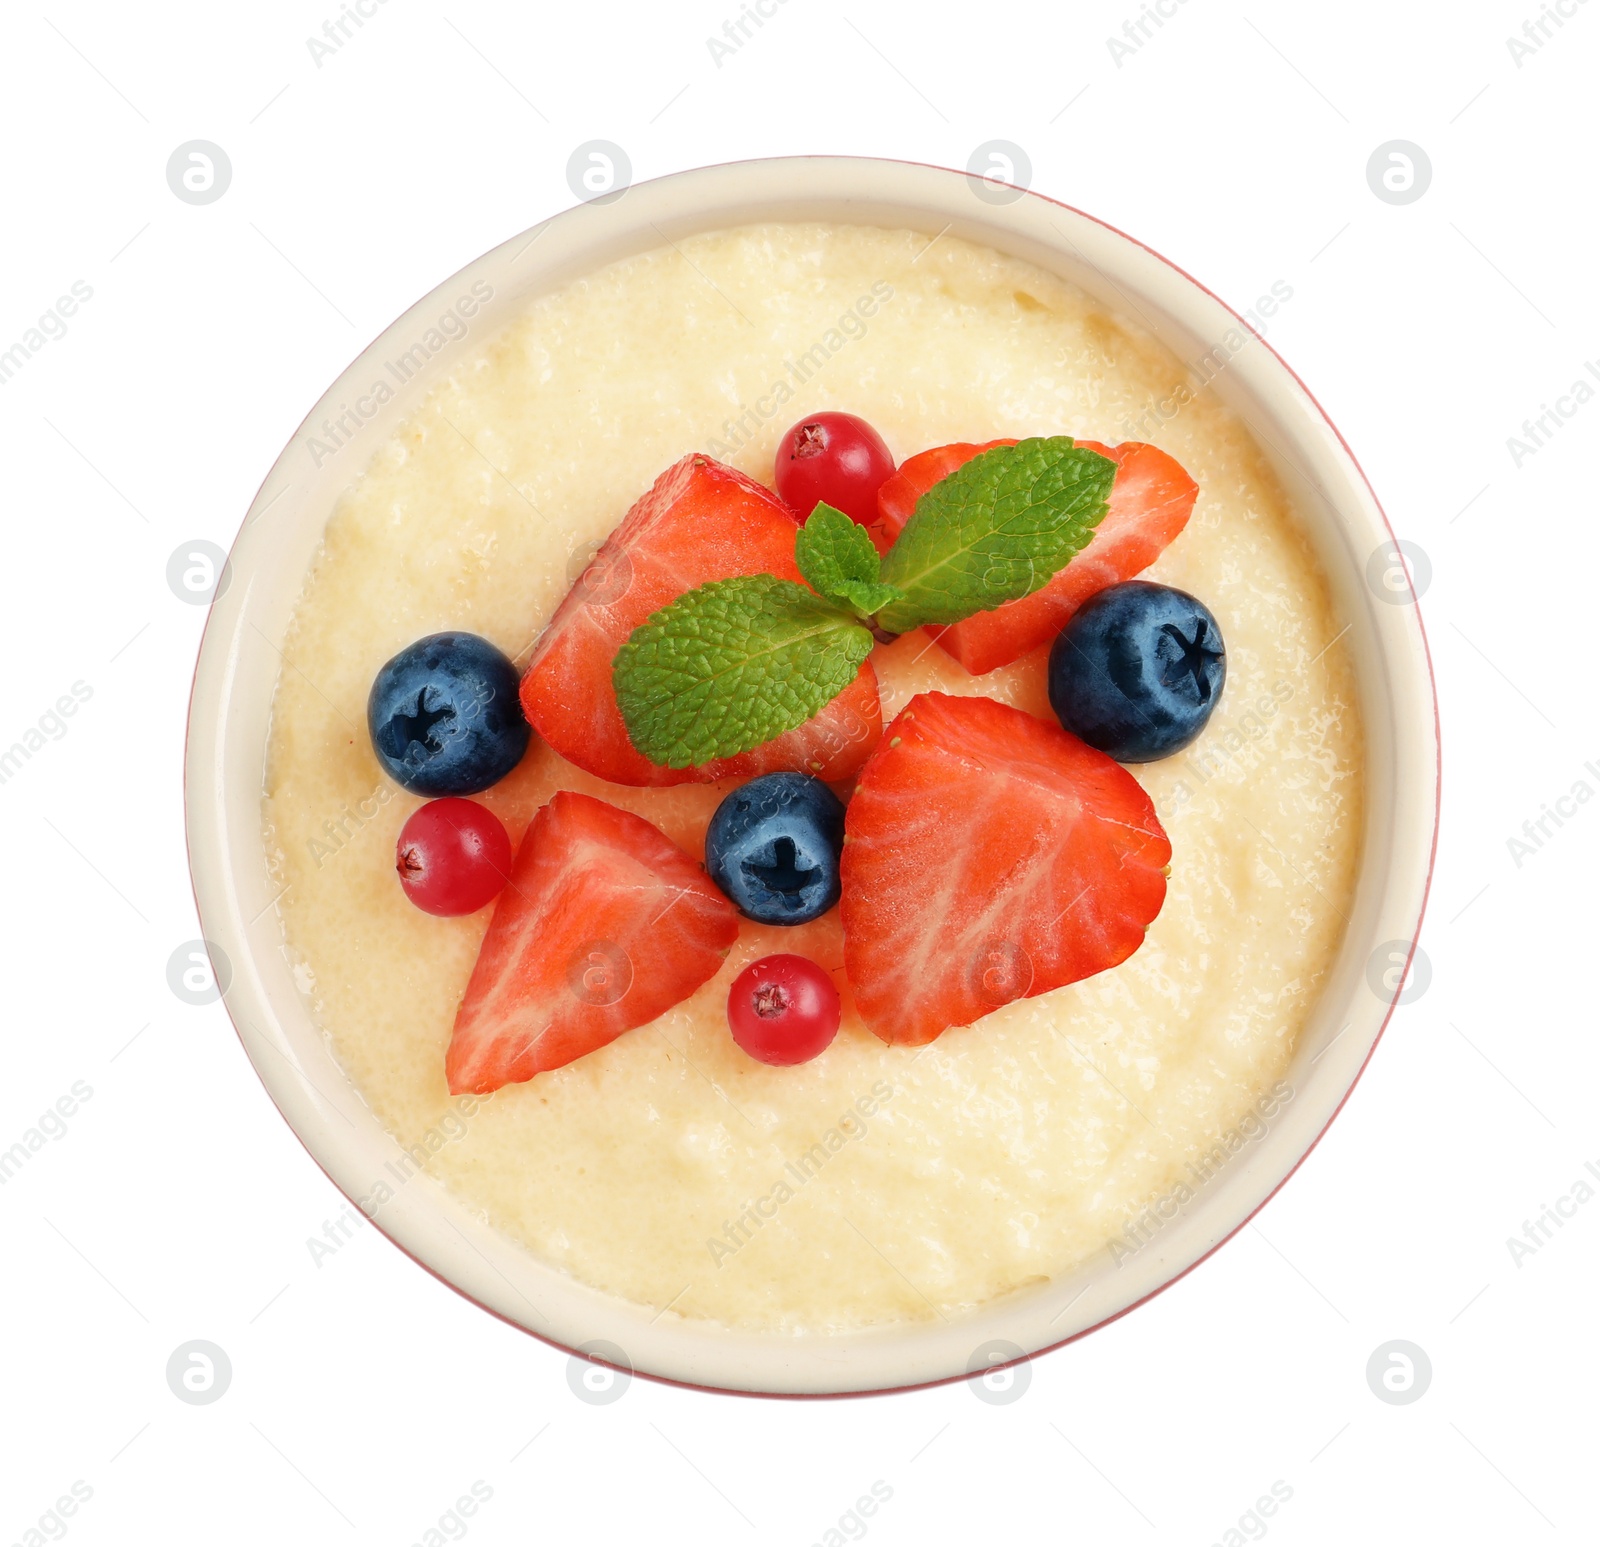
[[238, 667]]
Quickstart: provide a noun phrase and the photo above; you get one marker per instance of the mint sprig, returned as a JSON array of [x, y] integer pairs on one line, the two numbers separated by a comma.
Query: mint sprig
[[996, 529], [735, 663], [732, 664], [839, 561]]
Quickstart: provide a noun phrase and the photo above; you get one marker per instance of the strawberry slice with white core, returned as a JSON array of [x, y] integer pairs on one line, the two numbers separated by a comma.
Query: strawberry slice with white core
[[1149, 505], [700, 521], [989, 856], [604, 925]]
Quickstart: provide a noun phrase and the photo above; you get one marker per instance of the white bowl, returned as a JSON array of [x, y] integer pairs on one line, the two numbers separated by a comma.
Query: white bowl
[[238, 669]]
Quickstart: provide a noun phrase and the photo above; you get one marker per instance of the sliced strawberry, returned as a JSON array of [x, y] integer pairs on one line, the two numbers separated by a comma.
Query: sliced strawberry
[[1149, 505], [701, 521], [989, 856], [604, 925]]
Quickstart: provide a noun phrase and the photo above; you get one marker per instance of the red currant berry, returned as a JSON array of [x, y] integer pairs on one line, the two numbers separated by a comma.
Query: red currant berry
[[834, 457], [453, 856], [783, 1010]]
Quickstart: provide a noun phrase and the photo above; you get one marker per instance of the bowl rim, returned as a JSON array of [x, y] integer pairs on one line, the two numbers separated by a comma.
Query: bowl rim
[[776, 165]]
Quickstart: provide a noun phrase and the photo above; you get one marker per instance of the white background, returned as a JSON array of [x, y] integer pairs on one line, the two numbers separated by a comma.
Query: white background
[[366, 1397]]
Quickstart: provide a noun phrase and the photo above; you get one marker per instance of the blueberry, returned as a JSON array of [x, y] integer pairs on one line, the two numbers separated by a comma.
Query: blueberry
[[1138, 671], [444, 716], [773, 847]]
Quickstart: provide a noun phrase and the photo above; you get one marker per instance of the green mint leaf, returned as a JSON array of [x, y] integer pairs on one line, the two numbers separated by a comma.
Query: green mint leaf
[[997, 528], [838, 559], [867, 597], [732, 664]]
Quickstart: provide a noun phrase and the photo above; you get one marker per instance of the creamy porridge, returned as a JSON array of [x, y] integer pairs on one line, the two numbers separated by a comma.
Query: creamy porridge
[[874, 1184]]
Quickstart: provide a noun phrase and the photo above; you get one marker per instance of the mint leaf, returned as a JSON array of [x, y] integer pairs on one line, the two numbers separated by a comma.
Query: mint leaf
[[838, 559], [732, 664], [866, 597], [997, 528]]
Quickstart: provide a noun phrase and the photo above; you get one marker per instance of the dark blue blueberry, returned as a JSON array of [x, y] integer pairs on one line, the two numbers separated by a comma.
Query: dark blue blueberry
[[773, 847], [444, 716], [1138, 671]]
